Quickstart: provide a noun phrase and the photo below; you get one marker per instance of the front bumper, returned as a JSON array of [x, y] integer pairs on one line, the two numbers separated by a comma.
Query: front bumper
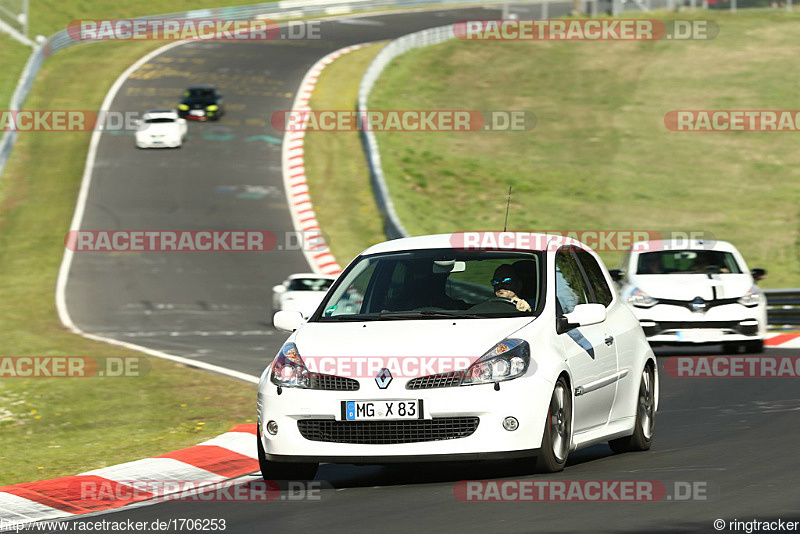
[[206, 115], [525, 398], [158, 144], [670, 324]]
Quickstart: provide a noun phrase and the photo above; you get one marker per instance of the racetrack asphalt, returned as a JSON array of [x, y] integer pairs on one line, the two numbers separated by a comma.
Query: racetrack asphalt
[[736, 436]]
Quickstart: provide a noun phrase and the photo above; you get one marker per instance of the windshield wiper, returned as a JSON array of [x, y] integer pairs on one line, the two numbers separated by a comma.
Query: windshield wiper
[[427, 314], [347, 318]]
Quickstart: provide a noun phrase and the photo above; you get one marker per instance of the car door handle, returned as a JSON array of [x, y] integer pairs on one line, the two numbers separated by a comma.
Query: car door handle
[[610, 340]]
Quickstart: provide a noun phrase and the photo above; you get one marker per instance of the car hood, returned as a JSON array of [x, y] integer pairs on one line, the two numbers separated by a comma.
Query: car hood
[[159, 128], [429, 337], [689, 286]]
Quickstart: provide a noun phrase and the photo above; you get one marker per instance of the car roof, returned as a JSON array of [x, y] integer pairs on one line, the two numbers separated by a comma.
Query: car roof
[[475, 241], [311, 275], [681, 244], [161, 112], [200, 86]]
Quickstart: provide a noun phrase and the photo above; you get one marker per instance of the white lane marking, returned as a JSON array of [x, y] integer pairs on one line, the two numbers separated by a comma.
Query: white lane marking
[[193, 333]]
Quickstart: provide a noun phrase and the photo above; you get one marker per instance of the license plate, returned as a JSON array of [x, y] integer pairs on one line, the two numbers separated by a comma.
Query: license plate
[[386, 410], [697, 336], [198, 112]]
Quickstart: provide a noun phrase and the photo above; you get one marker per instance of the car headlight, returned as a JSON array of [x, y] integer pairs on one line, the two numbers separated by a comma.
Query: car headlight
[[212, 107], [183, 107], [640, 299], [289, 370], [507, 360], [752, 298]]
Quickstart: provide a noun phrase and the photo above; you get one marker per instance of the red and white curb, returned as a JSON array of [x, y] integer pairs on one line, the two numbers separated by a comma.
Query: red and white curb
[[227, 456], [294, 175], [782, 341]]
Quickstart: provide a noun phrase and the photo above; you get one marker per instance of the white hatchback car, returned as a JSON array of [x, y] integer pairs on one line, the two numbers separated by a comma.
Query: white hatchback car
[[301, 292], [693, 291], [161, 128], [414, 355]]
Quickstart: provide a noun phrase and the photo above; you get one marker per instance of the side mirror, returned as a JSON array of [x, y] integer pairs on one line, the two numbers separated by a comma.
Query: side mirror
[[279, 289], [582, 315], [758, 274], [616, 274], [288, 321]]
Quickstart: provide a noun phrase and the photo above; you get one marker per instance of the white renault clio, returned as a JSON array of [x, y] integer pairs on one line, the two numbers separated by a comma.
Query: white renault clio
[[450, 347], [694, 291]]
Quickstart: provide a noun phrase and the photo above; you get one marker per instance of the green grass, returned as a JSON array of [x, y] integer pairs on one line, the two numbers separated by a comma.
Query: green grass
[[337, 172], [600, 156], [81, 424], [14, 57]]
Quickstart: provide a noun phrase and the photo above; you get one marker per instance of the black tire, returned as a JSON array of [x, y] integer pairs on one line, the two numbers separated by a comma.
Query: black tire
[[281, 472], [753, 347], [642, 437], [557, 436]]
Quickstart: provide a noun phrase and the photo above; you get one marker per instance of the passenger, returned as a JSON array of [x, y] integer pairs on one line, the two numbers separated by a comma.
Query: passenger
[[508, 285]]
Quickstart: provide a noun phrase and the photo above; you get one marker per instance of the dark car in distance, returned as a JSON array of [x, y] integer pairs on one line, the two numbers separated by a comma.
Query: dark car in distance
[[201, 103]]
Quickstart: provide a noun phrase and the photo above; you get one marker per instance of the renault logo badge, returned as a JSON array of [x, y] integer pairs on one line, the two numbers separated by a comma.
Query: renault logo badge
[[698, 305], [384, 378]]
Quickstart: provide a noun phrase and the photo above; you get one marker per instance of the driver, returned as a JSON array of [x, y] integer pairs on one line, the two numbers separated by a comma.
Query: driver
[[507, 284]]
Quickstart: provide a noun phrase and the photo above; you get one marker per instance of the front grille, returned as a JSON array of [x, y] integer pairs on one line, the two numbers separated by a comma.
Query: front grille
[[442, 380], [667, 326], [708, 304], [387, 432], [333, 383]]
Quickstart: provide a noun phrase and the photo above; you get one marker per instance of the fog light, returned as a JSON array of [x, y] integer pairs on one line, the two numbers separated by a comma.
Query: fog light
[[510, 424], [272, 427]]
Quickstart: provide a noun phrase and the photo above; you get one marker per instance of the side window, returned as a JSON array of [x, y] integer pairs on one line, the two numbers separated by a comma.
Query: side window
[[602, 293], [570, 288]]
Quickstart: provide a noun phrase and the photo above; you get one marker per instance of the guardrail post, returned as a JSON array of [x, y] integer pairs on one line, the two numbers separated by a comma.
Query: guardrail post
[[545, 10]]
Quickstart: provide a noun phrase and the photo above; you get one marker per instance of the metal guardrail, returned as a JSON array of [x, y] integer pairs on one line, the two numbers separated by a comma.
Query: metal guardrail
[[392, 226], [783, 308]]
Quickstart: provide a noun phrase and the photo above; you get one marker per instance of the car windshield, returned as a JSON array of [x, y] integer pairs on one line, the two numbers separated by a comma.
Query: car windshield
[[309, 284], [436, 284], [158, 120], [200, 93], [687, 262]]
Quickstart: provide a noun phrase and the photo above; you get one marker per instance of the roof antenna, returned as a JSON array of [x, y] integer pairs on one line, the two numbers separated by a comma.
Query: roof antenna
[[508, 204]]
